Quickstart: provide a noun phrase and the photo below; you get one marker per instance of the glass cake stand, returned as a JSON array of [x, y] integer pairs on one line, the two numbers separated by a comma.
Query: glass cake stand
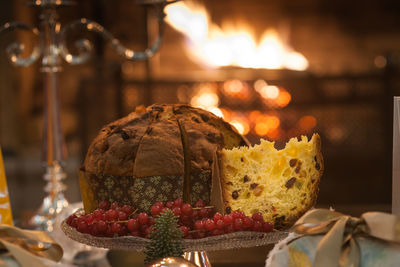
[[195, 248]]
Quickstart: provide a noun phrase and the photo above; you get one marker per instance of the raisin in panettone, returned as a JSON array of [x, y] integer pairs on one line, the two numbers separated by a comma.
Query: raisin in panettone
[[281, 184], [159, 153]]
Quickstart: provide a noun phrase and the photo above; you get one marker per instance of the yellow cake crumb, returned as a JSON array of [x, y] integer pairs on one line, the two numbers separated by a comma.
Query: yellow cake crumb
[[281, 184]]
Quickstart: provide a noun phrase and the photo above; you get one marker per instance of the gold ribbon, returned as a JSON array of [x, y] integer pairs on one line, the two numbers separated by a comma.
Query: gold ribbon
[[338, 246], [28, 247], [5, 207]]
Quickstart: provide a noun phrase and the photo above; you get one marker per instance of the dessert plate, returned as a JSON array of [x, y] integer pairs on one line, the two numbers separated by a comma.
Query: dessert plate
[[213, 243]]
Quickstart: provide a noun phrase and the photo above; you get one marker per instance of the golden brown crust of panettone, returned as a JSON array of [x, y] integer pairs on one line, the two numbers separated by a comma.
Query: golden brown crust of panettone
[[202, 140], [231, 137], [114, 149], [160, 151], [148, 142]]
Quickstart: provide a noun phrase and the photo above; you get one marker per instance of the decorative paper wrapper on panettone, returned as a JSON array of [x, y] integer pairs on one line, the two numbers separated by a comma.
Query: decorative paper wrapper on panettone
[[141, 193], [324, 238], [159, 153]]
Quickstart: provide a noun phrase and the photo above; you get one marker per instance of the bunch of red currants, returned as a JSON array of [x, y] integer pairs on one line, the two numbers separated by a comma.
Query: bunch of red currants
[[195, 222]]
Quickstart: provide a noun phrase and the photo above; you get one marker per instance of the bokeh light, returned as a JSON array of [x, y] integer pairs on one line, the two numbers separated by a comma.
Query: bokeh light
[[283, 99], [307, 123]]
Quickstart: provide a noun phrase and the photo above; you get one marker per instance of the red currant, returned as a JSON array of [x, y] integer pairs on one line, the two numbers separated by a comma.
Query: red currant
[[258, 226], [123, 230], [196, 214], [112, 215], [220, 224], [143, 218], [229, 229], [210, 225], [203, 213], [98, 214], [199, 225], [235, 214], [186, 220], [257, 217], [93, 229], [248, 222], [178, 202], [228, 219], [187, 209], [122, 216], [177, 211], [169, 204], [133, 225], [210, 212], [158, 203], [70, 219], [83, 227], [102, 226], [89, 218], [81, 219], [143, 229], [115, 206], [200, 204], [151, 221], [267, 227], [104, 205], [127, 209], [156, 210], [115, 228], [238, 224], [217, 216], [185, 230], [74, 222]]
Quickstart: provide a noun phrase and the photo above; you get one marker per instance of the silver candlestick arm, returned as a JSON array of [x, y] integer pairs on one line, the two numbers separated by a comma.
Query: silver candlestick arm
[[85, 47], [52, 47], [14, 50]]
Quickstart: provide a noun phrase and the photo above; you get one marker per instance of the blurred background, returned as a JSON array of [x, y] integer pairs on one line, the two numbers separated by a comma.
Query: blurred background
[[275, 69]]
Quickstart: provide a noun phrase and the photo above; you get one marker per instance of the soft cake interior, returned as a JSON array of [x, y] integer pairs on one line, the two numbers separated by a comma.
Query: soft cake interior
[[281, 184]]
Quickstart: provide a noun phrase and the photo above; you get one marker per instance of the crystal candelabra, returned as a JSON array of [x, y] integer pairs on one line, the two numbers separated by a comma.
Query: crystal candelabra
[[52, 48]]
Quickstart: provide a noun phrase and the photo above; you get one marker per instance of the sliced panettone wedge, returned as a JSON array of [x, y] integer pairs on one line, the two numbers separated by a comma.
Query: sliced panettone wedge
[[281, 184]]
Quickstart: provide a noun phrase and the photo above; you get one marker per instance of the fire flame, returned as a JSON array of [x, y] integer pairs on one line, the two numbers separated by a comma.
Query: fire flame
[[230, 46]]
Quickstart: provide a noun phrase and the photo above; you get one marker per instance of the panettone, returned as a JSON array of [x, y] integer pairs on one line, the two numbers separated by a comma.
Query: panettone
[[159, 153], [281, 184]]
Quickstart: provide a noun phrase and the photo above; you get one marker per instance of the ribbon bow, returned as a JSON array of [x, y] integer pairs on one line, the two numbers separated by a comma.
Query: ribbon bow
[[28, 248], [339, 246]]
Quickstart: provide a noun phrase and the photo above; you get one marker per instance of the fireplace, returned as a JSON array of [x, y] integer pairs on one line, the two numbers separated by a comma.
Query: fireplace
[[271, 84]]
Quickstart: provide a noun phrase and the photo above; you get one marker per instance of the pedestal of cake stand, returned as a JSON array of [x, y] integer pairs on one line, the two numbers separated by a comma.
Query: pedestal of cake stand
[[199, 258]]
